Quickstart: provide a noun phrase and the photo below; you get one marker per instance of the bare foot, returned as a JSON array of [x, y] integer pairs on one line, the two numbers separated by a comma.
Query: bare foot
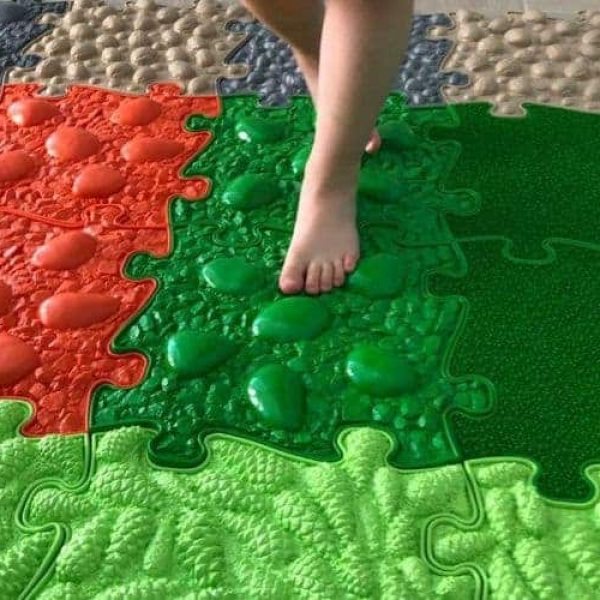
[[324, 246]]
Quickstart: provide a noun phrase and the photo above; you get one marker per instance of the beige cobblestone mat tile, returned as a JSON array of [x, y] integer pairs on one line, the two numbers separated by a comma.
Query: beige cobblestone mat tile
[[526, 57], [127, 48]]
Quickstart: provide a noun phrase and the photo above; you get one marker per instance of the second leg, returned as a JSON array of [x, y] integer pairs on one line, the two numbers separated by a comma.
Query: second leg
[[299, 23]]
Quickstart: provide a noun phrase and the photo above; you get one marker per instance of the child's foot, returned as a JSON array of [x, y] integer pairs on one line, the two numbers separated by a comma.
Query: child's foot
[[324, 246]]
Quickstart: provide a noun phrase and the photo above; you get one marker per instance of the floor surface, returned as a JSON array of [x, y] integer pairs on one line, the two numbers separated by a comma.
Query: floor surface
[[173, 427]]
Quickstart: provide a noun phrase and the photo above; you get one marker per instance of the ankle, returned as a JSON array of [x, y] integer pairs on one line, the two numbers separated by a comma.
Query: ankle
[[325, 193], [326, 173], [327, 206]]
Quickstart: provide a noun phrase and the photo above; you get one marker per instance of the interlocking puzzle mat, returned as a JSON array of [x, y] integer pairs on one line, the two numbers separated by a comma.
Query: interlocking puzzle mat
[[525, 57], [523, 547], [173, 427], [19, 27], [292, 372], [24, 464], [275, 77], [81, 190], [535, 342], [266, 525], [130, 46], [546, 186], [535, 339]]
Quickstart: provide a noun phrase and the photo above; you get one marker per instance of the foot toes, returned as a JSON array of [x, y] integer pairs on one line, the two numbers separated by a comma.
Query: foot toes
[[349, 263], [326, 277], [292, 277], [374, 143], [313, 278], [339, 275]]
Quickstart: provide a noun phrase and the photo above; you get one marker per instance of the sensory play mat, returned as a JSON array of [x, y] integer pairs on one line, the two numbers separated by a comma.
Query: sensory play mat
[[172, 427]]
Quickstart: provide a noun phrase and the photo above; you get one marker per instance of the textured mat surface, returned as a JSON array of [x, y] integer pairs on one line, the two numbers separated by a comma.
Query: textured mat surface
[[24, 558], [130, 47], [250, 524], [272, 71], [274, 368], [116, 165], [531, 331], [524, 547], [534, 339], [422, 75], [21, 23], [140, 243], [82, 190], [536, 176], [274, 76], [526, 57]]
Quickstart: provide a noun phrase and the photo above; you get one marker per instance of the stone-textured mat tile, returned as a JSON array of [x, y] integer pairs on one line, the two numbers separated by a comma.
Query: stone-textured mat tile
[[25, 462], [488, 7], [560, 8], [524, 546], [22, 22], [96, 156], [291, 372], [85, 181], [275, 77], [250, 524], [526, 57], [127, 48], [272, 72], [63, 300], [422, 74]]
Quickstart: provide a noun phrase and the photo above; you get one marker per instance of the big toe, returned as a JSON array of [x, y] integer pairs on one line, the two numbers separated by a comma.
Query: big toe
[[374, 143], [291, 280]]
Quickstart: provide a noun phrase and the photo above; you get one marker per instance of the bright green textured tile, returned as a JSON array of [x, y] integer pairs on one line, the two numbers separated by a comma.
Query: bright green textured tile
[[250, 524], [524, 546], [24, 462]]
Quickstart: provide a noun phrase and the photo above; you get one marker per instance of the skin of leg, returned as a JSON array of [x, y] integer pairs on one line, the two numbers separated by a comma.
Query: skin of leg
[[365, 40], [299, 23], [362, 43]]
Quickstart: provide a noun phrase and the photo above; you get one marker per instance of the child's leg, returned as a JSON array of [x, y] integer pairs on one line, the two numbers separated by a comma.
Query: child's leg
[[361, 47], [361, 43], [298, 22]]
